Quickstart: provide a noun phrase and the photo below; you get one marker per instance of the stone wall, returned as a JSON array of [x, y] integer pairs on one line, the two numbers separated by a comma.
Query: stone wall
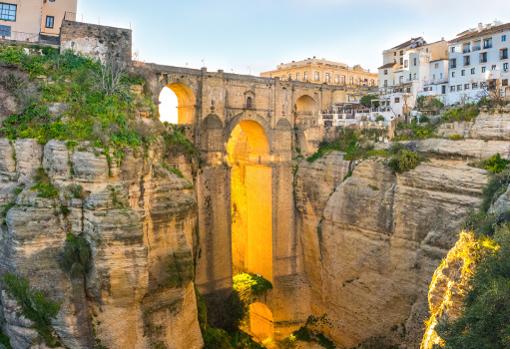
[[97, 41]]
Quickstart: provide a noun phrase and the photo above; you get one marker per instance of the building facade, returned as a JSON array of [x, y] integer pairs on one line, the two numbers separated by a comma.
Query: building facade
[[322, 71], [34, 20], [409, 69], [479, 61]]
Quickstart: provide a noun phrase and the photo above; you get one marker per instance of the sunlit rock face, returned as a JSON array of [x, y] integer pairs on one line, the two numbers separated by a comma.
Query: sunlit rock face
[[379, 240], [140, 221]]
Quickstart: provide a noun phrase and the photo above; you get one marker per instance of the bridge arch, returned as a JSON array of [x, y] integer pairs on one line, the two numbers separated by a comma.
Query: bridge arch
[[248, 155], [306, 109], [177, 104]]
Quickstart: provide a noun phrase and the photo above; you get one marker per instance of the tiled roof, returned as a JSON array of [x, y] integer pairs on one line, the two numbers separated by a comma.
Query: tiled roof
[[484, 32], [406, 44], [389, 65]]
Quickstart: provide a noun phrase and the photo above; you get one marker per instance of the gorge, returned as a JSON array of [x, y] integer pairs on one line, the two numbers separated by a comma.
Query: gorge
[[123, 232]]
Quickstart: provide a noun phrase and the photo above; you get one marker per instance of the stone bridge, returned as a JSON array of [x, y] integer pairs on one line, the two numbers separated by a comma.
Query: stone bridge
[[248, 129]]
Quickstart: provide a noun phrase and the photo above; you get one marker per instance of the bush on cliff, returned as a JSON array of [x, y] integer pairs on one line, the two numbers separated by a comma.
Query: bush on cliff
[[484, 323], [35, 306], [72, 101], [75, 258], [467, 112], [403, 159]]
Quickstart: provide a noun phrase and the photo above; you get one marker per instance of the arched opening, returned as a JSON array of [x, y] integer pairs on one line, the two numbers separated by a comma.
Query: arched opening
[[251, 200], [261, 322], [249, 102], [306, 105], [177, 104]]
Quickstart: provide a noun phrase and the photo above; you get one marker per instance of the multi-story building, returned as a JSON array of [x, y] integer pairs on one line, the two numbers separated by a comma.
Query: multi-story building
[[323, 71], [411, 68], [34, 20], [479, 60]]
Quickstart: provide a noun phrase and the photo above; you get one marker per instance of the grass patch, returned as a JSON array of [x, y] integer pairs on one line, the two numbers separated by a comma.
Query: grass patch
[[45, 189], [94, 111], [34, 306]]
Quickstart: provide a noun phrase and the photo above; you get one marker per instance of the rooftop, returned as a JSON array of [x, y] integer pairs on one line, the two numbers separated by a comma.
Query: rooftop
[[481, 30], [320, 61], [411, 43]]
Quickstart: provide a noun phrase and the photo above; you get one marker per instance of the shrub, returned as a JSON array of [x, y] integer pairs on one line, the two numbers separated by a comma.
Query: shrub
[[34, 306], [497, 185], [379, 118], [76, 256], [177, 142], [464, 113], [486, 312], [404, 160], [414, 130], [366, 101], [495, 164], [76, 191], [43, 185], [455, 137], [250, 286], [5, 341]]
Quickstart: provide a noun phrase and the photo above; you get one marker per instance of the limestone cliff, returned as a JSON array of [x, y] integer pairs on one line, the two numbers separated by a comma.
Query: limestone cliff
[[139, 219], [373, 240]]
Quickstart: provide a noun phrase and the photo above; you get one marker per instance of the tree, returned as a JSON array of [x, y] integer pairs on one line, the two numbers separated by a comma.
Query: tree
[[366, 101]]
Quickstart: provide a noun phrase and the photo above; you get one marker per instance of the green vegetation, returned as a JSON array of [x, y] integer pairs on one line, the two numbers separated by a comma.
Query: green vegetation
[[349, 141], [225, 338], [43, 186], [177, 142], [76, 191], [311, 332], [34, 306], [250, 286], [455, 137], [366, 101], [172, 169], [467, 112], [484, 323], [429, 104], [494, 164], [179, 269], [414, 130], [379, 118], [5, 341], [96, 106], [403, 159], [75, 259]]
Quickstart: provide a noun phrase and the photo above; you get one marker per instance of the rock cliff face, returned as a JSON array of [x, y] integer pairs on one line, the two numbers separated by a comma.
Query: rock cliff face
[[139, 219], [372, 241]]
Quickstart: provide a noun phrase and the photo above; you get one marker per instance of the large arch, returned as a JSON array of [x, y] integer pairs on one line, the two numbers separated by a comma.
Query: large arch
[[248, 154], [184, 98]]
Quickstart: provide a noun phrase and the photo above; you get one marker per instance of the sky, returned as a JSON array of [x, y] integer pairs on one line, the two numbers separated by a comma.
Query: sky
[[249, 37]]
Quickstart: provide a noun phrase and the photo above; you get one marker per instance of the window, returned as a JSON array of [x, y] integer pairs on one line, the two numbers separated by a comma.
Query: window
[[328, 78], [385, 71], [467, 60], [503, 38], [452, 88], [305, 76], [477, 45], [395, 53], [249, 102], [466, 86], [298, 76], [473, 70], [414, 76], [405, 63], [337, 79], [493, 67], [415, 62], [352, 80], [483, 85], [452, 49], [463, 72], [453, 63], [8, 12], [505, 66], [443, 89], [459, 87], [483, 57], [466, 47], [385, 83], [504, 82], [433, 77], [342, 80], [397, 100], [436, 65], [487, 43], [484, 69], [503, 53], [401, 53], [50, 21], [401, 61], [453, 74], [317, 76], [474, 85], [5, 30]]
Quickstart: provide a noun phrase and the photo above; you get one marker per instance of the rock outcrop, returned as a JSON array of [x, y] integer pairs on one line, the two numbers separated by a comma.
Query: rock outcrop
[[139, 219], [373, 240]]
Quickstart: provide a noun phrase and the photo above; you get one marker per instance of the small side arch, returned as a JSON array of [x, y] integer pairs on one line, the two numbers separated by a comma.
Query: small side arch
[[177, 104]]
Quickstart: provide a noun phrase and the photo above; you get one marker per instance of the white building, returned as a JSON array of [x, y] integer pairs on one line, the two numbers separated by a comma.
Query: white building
[[409, 69], [479, 58]]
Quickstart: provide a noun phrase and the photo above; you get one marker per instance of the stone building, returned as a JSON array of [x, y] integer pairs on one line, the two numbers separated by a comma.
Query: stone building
[[323, 71], [34, 20]]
